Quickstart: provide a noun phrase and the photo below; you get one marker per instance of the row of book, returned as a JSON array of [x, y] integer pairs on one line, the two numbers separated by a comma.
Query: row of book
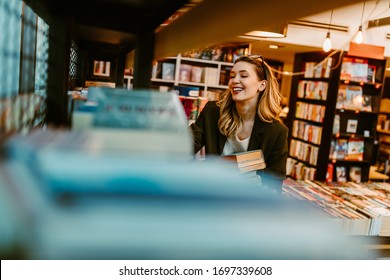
[[312, 90], [384, 154], [351, 97], [347, 149], [299, 171], [307, 132], [304, 151], [318, 70], [357, 69], [163, 70], [343, 173], [190, 73], [310, 112], [192, 106], [198, 74], [227, 54], [360, 208], [383, 123]]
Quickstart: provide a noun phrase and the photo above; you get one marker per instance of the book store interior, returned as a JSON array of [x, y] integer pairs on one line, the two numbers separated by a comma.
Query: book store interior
[[128, 129]]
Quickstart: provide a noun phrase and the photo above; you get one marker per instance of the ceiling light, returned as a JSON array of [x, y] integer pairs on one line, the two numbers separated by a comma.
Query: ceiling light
[[275, 46], [327, 45], [359, 36], [270, 32]]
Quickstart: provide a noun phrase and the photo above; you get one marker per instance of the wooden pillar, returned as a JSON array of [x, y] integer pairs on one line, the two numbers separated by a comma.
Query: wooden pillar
[[144, 55], [58, 72]]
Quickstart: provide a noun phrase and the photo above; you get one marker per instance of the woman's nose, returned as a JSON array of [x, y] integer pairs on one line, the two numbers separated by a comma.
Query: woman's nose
[[236, 79]]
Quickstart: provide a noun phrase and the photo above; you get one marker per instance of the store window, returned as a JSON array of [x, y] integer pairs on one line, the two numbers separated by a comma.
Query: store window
[[10, 38], [41, 60], [24, 46]]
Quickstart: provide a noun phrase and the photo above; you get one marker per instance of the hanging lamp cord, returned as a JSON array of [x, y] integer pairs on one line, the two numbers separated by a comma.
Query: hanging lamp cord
[[330, 22], [361, 20]]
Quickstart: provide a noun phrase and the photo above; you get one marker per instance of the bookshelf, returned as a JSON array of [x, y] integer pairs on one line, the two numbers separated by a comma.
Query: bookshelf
[[204, 70], [333, 114], [383, 130], [209, 77], [309, 119]]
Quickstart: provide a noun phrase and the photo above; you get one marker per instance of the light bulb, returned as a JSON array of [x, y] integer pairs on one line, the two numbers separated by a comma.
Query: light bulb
[[327, 46], [359, 36]]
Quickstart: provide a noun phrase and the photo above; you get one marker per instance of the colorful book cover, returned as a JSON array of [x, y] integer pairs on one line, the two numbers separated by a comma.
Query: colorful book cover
[[341, 172], [367, 103], [354, 100], [341, 148], [355, 149], [352, 126], [346, 69], [355, 174], [371, 73], [329, 173], [359, 70], [168, 71], [341, 97], [185, 73], [336, 124]]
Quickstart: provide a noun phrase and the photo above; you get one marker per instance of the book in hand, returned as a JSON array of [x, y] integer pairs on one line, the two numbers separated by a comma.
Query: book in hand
[[247, 161]]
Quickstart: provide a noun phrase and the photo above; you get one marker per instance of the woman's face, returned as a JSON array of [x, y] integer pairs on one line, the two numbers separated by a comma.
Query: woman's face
[[244, 83]]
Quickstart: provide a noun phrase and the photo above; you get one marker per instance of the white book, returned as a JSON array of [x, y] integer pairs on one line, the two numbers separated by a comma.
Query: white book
[[211, 76]]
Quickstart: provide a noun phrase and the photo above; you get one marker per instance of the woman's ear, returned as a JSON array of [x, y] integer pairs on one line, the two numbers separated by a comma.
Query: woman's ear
[[262, 85]]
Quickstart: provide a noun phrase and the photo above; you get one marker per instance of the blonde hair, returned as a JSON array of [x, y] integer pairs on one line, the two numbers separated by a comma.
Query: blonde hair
[[268, 105]]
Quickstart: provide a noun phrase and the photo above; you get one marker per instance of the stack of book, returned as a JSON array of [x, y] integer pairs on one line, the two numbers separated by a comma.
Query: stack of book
[[360, 208], [247, 161]]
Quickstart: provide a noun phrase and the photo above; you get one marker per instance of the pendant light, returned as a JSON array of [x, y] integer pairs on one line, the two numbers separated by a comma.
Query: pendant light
[[327, 45], [359, 35]]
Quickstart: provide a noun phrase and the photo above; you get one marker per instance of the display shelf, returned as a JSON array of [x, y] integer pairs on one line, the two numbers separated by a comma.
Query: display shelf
[[383, 130], [340, 96], [206, 75]]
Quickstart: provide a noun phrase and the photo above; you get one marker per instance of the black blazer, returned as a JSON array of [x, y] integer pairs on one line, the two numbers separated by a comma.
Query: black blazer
[[271, 138]]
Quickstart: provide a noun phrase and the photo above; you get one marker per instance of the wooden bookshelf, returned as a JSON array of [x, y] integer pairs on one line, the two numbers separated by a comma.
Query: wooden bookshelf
[[340, 98], [209, 76]]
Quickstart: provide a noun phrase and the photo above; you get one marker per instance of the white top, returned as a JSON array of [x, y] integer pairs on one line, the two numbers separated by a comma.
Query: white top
[[235, 145]]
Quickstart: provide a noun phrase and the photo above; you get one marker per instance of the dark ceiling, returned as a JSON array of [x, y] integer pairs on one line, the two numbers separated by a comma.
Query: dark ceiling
[[110, 21]]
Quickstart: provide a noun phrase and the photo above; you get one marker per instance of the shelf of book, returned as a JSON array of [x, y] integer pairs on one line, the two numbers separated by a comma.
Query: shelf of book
[[357, 107], [383, 130], [208, 73], [339, 98], [308, 115]]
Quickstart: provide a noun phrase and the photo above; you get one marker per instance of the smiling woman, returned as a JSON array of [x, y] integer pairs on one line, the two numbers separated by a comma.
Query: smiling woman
[[246, 119]]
